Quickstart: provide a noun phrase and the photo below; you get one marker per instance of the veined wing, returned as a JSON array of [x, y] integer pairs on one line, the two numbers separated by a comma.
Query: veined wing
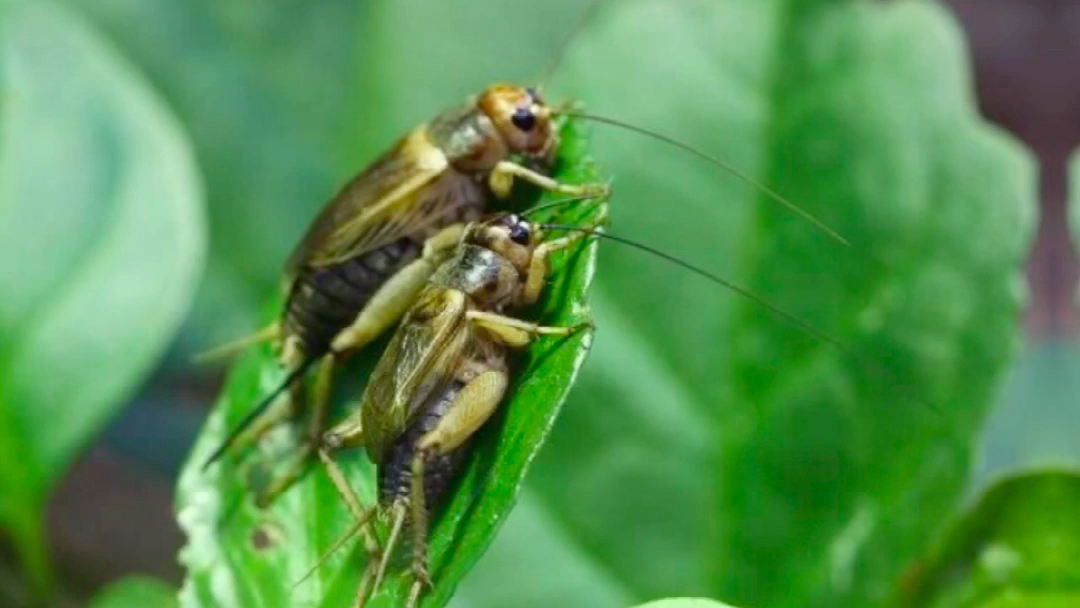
[[418, 361], [377, 207]]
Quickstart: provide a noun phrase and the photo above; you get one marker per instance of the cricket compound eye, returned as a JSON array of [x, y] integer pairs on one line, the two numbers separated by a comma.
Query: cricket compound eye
[[524, 119], [519, 233]]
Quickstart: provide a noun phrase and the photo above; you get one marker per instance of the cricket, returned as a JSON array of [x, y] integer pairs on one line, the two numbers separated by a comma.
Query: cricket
[[443, 375]]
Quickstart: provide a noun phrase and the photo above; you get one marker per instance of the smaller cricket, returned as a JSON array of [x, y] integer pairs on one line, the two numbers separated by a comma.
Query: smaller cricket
[[443, 375]]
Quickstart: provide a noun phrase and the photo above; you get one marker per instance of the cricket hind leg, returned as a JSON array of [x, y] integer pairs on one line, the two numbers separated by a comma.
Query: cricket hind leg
[[438, 455], [230, 349], [316, 405], [385, 307], [363, 516]]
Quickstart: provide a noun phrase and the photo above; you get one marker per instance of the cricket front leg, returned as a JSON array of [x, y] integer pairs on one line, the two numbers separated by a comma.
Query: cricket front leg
[[501, 182], [536, 275]]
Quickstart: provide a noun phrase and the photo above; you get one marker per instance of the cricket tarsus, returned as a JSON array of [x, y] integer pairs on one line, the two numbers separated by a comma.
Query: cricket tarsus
[[259, 409], [820, 225]]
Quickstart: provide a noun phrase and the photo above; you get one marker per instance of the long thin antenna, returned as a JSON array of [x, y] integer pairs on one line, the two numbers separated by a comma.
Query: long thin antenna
[[556, 204], [565, 43], [742, 291], [261, 408], [716, 162]]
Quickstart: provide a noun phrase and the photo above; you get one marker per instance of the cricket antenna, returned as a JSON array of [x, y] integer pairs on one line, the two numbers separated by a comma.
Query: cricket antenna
[[562, 202], [742, 291], [564, 45], [715, 162], [263, 405]]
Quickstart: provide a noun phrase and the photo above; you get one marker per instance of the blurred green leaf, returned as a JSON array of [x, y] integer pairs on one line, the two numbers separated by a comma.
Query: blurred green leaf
[[1018, 546], [238, 555], [420, 57], [136, 592], [269, 92], [684, 602], [101, 245]]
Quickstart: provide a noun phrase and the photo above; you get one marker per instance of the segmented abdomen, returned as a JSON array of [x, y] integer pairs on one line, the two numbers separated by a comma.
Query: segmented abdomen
[[395, 471], [325, 300]]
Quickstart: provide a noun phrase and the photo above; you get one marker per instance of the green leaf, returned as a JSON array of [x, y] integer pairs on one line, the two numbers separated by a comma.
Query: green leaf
[[238, 555], [684, 602], [136, 592], [1018, 546], [101, 246]]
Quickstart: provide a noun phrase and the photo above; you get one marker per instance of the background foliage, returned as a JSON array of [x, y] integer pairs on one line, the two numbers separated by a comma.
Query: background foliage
[[708, 448], [103, 242]]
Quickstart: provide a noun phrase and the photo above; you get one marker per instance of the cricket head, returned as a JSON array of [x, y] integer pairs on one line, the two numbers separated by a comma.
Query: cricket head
[[522, 118], [509, 236]]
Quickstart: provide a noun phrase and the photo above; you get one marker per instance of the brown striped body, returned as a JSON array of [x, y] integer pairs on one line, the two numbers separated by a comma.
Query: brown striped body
[[395, 472]]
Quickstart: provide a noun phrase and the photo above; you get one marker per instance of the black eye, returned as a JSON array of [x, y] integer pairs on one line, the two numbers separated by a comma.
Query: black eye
[[520, 234], [523, 119], [533, 95]]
